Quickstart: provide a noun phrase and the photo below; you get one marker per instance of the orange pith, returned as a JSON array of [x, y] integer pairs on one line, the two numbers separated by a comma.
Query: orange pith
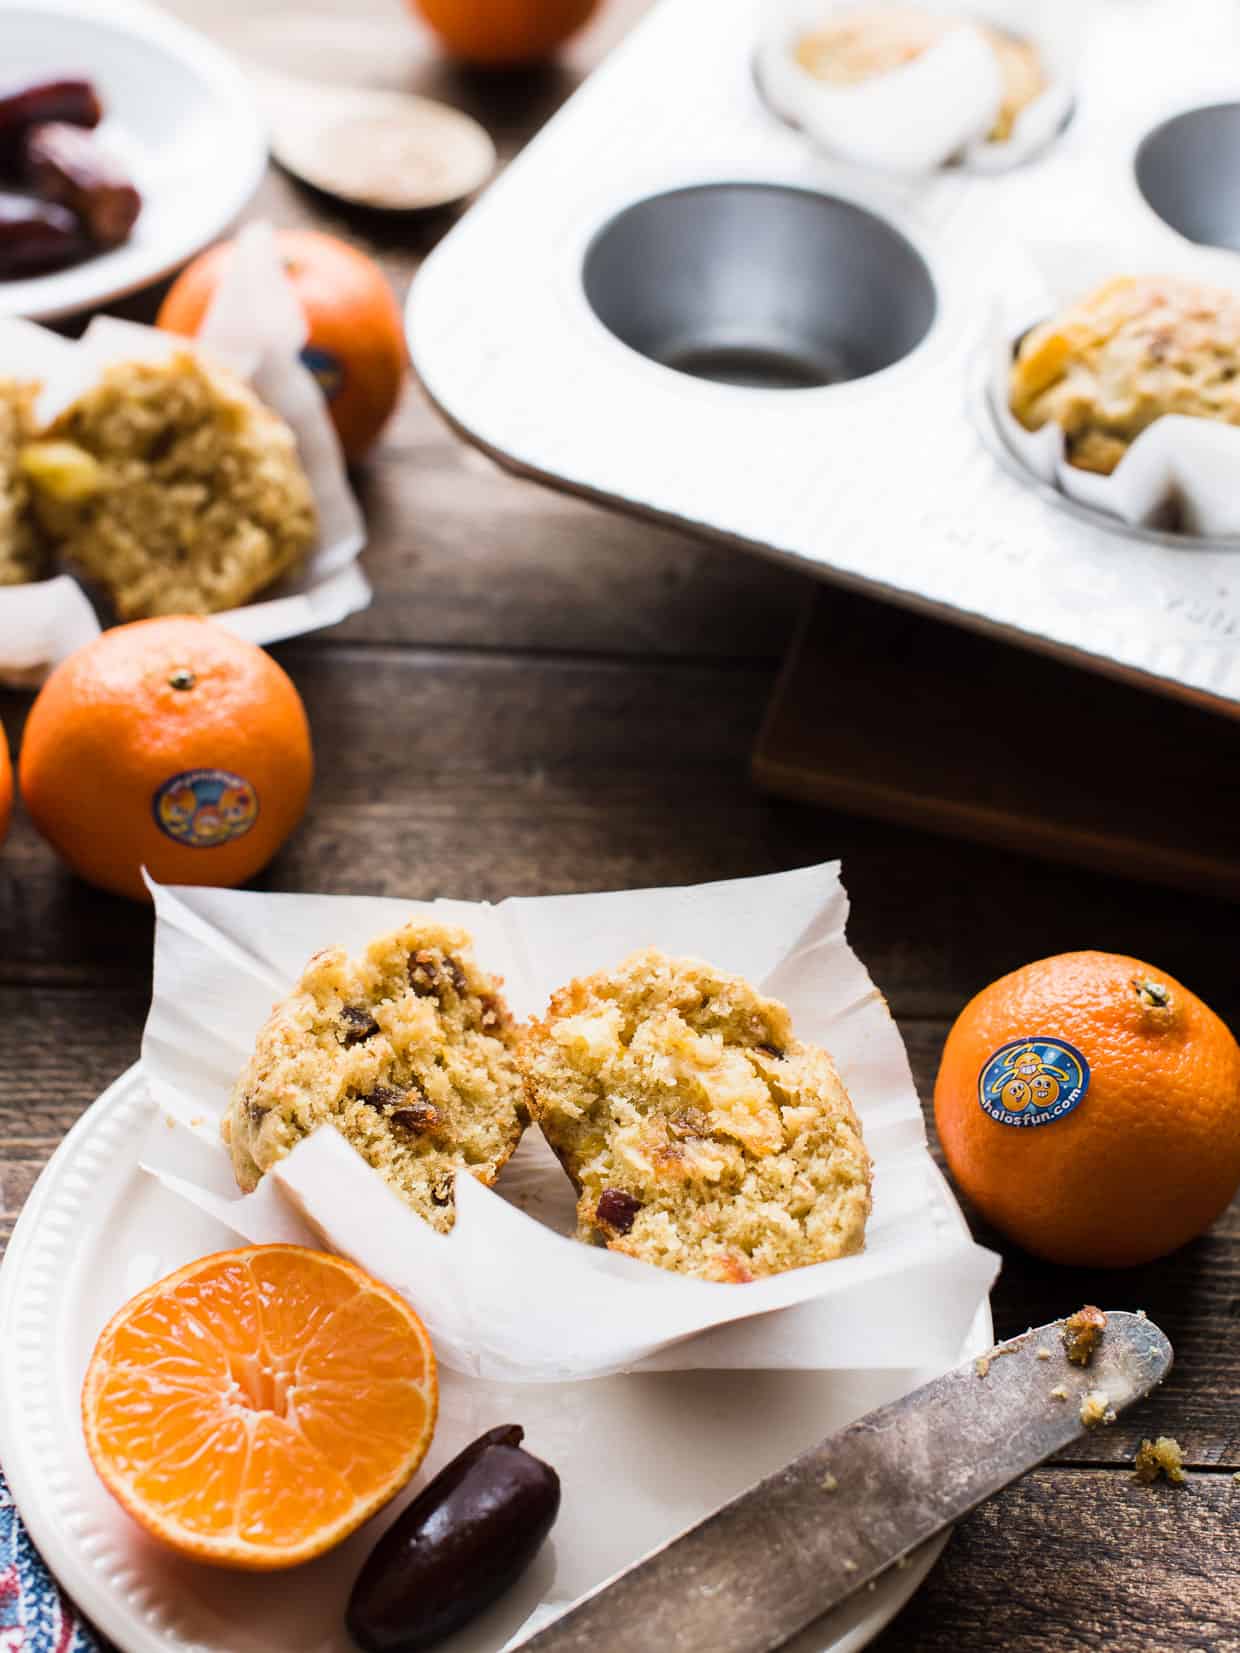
[[256, 1407], [1149, 1158]]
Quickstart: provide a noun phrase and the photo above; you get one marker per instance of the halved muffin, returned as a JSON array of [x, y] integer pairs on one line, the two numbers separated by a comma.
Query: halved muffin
[[700, 1134], [174, 487], [21, 551], [1134, 349], [408, 1051]]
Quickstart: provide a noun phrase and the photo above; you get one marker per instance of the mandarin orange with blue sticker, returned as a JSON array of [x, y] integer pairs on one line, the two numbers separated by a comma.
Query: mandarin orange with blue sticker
[[1089, 1107], [355, 344], [169, 744]]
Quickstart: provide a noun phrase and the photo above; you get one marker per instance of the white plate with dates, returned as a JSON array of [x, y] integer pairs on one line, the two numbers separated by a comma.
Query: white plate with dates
[[640, 1457], [179, 116]]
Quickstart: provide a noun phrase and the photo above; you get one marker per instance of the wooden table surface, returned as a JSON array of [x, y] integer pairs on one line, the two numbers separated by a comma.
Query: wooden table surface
[[546, 698]]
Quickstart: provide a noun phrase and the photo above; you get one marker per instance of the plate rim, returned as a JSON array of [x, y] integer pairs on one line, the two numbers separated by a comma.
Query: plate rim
[[40, 1233], [229, 89]]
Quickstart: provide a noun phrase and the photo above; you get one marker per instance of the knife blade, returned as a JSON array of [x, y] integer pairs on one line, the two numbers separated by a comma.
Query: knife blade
[[749, 1577]]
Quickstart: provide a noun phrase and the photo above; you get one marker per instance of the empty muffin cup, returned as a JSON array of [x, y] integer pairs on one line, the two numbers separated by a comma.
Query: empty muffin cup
[[760, 285], [1188, 170]]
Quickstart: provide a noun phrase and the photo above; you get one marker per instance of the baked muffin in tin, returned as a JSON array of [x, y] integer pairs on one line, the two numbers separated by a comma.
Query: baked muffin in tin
[[1129, 352]]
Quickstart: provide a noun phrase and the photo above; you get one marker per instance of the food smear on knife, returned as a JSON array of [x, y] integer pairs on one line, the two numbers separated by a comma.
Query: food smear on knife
[[700, 1134], [463, 1543], [253, 1409], [65, 195]]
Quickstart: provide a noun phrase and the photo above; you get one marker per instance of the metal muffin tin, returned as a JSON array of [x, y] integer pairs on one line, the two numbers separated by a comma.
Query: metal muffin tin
[[672, 304]]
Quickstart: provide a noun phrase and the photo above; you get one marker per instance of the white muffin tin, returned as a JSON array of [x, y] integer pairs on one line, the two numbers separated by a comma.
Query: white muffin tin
[[894, 483]]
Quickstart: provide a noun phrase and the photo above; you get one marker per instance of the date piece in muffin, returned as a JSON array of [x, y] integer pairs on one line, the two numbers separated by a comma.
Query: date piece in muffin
[[174, 487], [407, 1051], [21, 557], [699, 1133], [866, 41], [1136, 348]]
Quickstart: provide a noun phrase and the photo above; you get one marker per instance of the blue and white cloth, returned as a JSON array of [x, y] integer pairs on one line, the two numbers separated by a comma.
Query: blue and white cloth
[[35, 1615]]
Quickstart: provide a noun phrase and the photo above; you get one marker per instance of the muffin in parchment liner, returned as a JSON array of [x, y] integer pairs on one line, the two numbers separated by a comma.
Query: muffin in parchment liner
[[254, 334], [1120, 385], [911, 87], [386, 1045]]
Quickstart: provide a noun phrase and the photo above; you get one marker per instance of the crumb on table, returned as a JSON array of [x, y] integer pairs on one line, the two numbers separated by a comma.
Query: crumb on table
[[828, 1482], [1043, 1353], [1059, 1392], [1164, 1456], [1081, 1333]]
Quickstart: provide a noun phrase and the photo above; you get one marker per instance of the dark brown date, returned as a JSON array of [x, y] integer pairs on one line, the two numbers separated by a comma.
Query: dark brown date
[[68, 165], [37, 236], [30, 103], [464, 1541]]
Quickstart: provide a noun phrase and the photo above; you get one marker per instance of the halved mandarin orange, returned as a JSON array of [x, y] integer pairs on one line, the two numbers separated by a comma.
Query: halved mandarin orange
[[256, 1407]]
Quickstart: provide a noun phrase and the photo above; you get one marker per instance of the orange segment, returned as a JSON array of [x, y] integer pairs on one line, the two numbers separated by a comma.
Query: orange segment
[[256, 1407]]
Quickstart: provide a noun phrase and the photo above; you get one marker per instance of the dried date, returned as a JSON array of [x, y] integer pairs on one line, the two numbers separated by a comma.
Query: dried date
[[36, 236], [463, 1542], [68, 165]]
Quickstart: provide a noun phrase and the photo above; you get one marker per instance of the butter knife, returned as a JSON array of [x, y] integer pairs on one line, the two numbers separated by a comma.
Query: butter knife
[[749, 1577]]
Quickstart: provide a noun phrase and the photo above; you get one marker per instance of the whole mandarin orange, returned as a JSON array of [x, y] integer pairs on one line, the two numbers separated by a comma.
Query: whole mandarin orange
[[502, 34], [169, 744], [356, 338], [6, 787], [1143, 1159]]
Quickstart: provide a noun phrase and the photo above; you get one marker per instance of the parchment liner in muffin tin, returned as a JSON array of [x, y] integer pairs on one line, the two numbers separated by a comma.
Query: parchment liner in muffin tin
[[1180, 471], [934, 110]]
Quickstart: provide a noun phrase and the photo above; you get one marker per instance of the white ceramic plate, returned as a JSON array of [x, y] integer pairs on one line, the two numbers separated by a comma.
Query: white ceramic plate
[[640, 1457], [177, 111]]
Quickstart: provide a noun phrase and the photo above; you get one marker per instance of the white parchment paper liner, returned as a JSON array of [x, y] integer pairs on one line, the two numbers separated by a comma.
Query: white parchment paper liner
[[1191, 463], [255, 326], [936, 109], [507, 1295]]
